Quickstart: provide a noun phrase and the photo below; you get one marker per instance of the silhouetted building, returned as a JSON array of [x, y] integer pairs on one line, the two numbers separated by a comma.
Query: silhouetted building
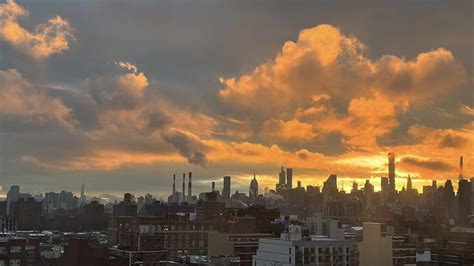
[[282, 176], [253, 191], [27, 213], [464, 200], [226, 188], [385, 190], [126, 207], [391, 173], [289, 178], [92, 216]]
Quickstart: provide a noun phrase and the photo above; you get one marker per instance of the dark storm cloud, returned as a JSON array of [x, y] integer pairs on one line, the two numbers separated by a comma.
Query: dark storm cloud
[[188, 145], [427, 164], [452, 141]]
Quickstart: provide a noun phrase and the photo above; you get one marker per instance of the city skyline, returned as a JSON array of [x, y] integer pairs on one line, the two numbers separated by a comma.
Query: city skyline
[[283, 181], [126, 104]]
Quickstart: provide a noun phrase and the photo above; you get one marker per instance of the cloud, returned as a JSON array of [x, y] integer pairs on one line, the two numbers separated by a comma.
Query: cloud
[[46, 39], [294, 130], [324, 80], [432, 165], [188, 145], [126, 65], [21, 99], [324, 63], [118, 92], [451, 140], [467, 110], [103, 160]]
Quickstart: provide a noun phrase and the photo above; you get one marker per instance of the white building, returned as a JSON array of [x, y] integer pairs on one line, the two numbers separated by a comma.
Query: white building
[[293, 249]]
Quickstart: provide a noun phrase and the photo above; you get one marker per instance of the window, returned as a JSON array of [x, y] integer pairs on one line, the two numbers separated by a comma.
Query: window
[[15, 262], [289, 251], [15, 249]]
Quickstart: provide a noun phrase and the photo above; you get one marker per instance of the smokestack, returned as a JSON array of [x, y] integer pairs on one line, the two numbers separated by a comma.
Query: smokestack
[[183, 197], [461, 170], [213, 186], [190, 186]]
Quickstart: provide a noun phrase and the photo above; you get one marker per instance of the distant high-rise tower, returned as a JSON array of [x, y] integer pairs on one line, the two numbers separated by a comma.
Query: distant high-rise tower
[[461, 170], [174, 184], [173, 195], [82, 199], [226, 188], [289, 178], [385, 190], [253, 192], [190, 187], [409, 184], [391, 171], [12, 196], [355, 187], [282, 176]]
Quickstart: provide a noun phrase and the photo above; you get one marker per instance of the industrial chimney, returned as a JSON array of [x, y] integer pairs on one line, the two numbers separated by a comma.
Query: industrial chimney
[[461, 170], [183, 197]]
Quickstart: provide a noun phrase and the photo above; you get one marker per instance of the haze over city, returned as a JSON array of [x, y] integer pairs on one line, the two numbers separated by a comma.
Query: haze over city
[[123, 96]]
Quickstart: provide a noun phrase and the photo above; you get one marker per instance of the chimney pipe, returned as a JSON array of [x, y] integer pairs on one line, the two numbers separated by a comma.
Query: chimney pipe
[[190, 186], [213, 186], [184, 188], [461, 169]]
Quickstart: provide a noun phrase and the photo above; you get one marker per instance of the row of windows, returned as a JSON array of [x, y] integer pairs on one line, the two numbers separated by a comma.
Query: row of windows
[[184, 244], [185, 236], [12, 263], [13, 249]]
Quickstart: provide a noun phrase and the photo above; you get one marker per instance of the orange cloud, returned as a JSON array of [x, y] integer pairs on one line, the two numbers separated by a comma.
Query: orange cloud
[[45, 40], [289, 131], [325, 68], [19, 98], [104, 160]]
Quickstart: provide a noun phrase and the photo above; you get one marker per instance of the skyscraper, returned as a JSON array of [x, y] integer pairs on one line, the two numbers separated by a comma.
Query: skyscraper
[[289, 178], [174, 184], [391, 171], [409, 184], [173, 196], [12, 196], [385, 187], [282, 176], [464, 200], [253, 191], [226, 188], [82, 199]]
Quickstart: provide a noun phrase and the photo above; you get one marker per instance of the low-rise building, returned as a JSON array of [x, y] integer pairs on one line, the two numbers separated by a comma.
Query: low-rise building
[[293, 249]]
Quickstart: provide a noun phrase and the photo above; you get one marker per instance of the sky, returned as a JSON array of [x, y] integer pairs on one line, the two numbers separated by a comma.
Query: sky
[[123, 94]]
